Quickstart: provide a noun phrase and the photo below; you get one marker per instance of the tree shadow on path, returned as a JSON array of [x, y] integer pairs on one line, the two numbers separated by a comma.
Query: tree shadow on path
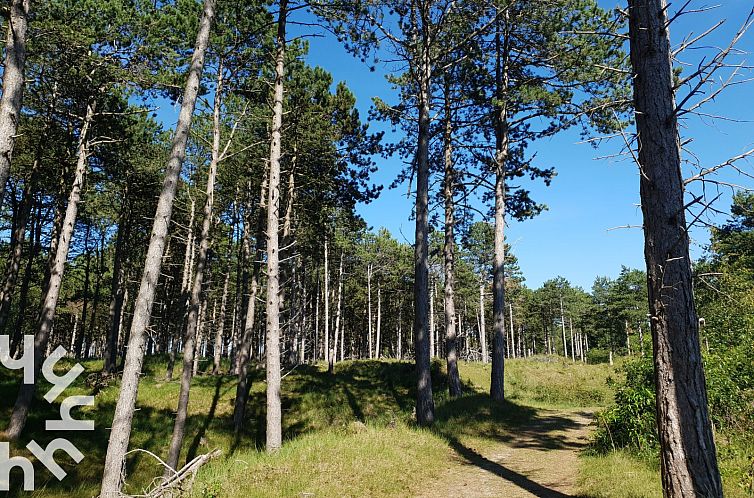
[[509, 475]]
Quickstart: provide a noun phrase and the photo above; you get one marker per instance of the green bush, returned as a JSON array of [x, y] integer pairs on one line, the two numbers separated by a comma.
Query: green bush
[[631, 422]]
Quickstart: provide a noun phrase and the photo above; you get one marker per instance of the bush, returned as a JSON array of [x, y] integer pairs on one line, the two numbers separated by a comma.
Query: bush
[[631, 422]]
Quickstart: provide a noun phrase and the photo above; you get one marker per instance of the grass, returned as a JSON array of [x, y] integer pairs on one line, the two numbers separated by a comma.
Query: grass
[[354, 427], [347, 434]]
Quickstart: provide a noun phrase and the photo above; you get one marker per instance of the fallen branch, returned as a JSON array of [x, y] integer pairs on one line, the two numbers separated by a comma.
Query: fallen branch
[[175, 485]]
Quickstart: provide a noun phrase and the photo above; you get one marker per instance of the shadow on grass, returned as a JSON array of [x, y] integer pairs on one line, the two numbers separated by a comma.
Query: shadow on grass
[[375, 392]]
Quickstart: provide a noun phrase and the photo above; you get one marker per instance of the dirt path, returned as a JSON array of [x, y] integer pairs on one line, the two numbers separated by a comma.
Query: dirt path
[[539, 459]]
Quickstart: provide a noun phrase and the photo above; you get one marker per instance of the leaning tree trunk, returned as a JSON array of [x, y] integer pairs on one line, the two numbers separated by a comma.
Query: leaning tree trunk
[[274, 413], [13, 86], [190, 344], [124, 409], [454, 379], [425, 404], [687, 446], [50, 301], [497, 388]]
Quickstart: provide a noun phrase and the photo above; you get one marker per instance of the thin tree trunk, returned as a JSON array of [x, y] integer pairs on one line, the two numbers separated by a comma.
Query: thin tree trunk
[[338, 310], [369, 309], [327, 303], [687, 447], [35, 235], [454, 379], [425, 405], [432, 344], [192, 323], [16, 247], [78, 343], [497, 388], [482, 325], [13, 86], [117, 290], [379, 323], [563, 330], [50, 302], [124, 410], [513, 330], [220, 329], [274, 414]]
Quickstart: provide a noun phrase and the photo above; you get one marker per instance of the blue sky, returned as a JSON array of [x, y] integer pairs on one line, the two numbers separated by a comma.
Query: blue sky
[[578, 236]]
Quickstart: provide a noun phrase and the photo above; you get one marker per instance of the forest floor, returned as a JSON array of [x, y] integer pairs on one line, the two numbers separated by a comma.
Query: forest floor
[[353, 434], [539, 458]]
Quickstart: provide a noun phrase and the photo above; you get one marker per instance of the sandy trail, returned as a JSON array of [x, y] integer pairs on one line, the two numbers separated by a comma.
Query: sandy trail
[[539, 459]]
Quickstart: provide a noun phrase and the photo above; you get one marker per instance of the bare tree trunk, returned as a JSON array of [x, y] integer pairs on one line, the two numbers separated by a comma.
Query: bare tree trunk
[[432, 344], [687, 447], [369, 309], [379, 323], [497, 387], [220, 329], [16, 247], [562, 327], [50, 302], [512, 330], [399, 348], [13, 86], [77, 344], [454, 379], [327, 303], [35, 235], [425, 405], [274, 414], [193, 335], [124, 410], [338, 310], [482, 324]]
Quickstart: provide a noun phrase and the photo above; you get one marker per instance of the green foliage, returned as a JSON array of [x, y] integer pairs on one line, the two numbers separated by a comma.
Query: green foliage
[[631, 422]]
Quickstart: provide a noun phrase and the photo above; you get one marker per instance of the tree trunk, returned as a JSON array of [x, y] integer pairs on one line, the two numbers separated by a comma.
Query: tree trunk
[[497, 388], [338, 310], [327, 303], [13, 86], [482, 324], [369, 310], [195, 301], [50, 302], [78, 343], [124, 410], [16, 247], [117, 290], [379, 323], [274, 414], [562, 328], [425, 405], [432, 344], [35, 245], [454, 379], [220, 329], [687, 446]]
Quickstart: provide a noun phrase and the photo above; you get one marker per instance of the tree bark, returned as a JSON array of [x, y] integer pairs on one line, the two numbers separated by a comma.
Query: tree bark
[[274, 414], [338, 310], [220, 329], [327, 303], [50, 302], [189, 360], [687, 447], [124, 410], [454, 379], [378, 330], [425, 405], [497, 388], [16, 247], [13, 86], [117, 290], [482, 324]]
